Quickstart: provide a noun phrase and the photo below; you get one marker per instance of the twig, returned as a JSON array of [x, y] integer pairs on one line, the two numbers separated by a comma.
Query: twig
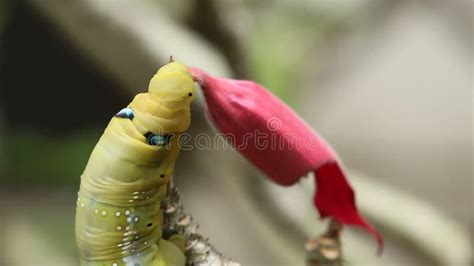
[[176, 221], [326, 249]]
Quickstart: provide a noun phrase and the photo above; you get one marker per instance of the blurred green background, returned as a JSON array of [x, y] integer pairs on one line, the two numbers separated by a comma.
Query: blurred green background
[[387, 83]]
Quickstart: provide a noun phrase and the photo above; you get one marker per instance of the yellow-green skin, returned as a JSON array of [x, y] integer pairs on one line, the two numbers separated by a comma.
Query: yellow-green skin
[[118, 215]]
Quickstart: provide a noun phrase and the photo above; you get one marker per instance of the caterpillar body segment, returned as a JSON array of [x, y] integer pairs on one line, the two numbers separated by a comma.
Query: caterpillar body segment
[[118, 216]]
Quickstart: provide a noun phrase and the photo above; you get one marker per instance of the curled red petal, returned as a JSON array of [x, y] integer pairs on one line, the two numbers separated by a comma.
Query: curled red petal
[[277, 141], [335, 198]]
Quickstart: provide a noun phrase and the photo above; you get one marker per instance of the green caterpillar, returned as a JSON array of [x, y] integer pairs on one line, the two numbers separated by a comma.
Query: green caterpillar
[[118, 215]]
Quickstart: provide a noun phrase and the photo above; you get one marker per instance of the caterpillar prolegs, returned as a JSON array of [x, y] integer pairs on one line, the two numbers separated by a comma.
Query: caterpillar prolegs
[[118, 216]]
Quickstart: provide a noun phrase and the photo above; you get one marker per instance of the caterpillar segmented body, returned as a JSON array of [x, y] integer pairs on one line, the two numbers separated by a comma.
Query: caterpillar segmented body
[[118, 214]]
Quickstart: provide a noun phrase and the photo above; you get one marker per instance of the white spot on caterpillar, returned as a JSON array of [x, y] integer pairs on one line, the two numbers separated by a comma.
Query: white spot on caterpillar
[[119, 245], [104, 213], [130, 200], [119, 227], [82, 204], [137, 237], [127, 212], [117, 214], [145, 243], [136, 193], [96, 211], [127, 228], [136, 219], [114, 264], [129, 219], [135, 197]]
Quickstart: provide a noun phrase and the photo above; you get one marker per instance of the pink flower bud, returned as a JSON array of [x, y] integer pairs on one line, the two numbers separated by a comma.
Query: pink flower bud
[[245, 111]]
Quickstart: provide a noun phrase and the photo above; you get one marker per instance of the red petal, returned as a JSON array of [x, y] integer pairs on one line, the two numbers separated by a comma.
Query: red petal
[[275, 139], [336, 198]]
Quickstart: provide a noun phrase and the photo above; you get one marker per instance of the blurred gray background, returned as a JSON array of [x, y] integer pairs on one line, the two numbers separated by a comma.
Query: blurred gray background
[[387, 83]]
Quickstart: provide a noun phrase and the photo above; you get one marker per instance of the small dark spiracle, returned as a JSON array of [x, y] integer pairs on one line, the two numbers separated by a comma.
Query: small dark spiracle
[[125, 113], [158, 140]]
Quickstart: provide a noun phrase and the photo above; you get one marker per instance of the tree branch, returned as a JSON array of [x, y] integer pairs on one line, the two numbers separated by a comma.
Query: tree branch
[[177, 221], [326, 249]]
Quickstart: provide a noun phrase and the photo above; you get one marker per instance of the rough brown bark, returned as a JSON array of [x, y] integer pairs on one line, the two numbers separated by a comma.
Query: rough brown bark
[[325, 249], [177, 221]]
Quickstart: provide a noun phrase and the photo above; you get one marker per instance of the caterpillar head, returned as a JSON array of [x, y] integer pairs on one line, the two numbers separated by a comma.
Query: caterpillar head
[[172, 86]]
